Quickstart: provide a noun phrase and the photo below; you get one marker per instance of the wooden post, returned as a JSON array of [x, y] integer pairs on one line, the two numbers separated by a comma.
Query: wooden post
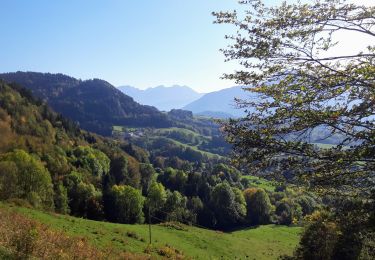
[[149, 223]]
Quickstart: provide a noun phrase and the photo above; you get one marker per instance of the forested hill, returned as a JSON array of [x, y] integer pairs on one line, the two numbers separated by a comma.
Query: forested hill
[[95, 104], [49, 163]]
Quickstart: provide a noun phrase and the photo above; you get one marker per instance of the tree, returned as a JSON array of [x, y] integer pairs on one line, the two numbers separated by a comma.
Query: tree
[[175, 207], [8, 180], [284, 212], [258, 206], [119, 168], [156, 197], [84, 199], [195, 206], [308, 204], [227, 205], [173, 179], [133, 178], [240, 203], [304, 91], [148, 175], [61, 199], [325, 238], [128, 203], [28, 179], [312, 246], [93, 160], [226, 172]]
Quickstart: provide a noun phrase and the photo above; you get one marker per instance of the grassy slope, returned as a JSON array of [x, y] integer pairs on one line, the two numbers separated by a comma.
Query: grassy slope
[[183, 130], [260, 182], [161, 132], [265, 242], [208, 154]]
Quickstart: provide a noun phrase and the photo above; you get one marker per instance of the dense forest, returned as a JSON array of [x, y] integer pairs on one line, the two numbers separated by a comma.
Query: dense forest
[[49, 163]]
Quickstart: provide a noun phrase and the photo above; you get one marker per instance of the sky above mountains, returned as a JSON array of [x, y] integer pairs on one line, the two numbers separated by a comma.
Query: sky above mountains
[[140, 43]]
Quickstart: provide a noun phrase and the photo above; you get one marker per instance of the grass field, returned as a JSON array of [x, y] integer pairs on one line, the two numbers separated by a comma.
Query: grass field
[[183, 130], [260, 182], [265, 242], [208, 154]]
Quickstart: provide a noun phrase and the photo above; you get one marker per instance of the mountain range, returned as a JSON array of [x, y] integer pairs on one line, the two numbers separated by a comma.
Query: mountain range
[[217, 104], [161, 97]]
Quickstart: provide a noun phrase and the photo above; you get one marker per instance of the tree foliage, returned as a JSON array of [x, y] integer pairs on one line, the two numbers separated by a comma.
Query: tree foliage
[[305, 89], [24, 176], [93, 160], [259, 207], [228, 205], [156, 196], [302, 86], [128, 203]]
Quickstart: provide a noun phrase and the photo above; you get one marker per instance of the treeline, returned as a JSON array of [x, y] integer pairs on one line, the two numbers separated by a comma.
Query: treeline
[[49, 163]]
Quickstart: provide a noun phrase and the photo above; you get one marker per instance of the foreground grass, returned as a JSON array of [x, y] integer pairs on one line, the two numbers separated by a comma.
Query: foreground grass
[[24, 238], [265, 242]]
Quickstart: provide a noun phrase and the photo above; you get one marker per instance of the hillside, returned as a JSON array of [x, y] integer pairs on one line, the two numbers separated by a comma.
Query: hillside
[[48, 163], [219, 103], [95, 104], [265, 242], [193, 139], [161, 97]]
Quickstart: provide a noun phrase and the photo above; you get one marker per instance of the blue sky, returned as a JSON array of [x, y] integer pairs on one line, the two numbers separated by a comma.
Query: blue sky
[[126, 42], [140, 43]]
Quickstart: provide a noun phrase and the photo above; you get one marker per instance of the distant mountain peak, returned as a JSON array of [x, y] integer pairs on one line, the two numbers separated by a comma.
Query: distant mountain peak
[[163, 97], [220, 103]]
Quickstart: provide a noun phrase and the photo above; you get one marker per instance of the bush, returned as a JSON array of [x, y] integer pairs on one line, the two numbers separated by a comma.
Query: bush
[[174, 225], [170, 252]]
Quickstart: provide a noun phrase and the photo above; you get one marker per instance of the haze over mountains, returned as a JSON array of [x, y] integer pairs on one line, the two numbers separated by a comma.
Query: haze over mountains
[[218, 104], [161, 97]]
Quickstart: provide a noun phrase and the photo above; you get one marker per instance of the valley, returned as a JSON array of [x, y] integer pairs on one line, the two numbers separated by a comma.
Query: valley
[[181, 173]]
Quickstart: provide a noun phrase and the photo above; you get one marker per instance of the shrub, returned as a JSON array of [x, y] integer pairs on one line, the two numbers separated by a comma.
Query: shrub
[[174, 225], [170, 252]]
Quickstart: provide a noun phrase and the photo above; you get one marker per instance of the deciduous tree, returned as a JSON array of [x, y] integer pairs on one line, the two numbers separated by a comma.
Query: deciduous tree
[[305, 90]]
